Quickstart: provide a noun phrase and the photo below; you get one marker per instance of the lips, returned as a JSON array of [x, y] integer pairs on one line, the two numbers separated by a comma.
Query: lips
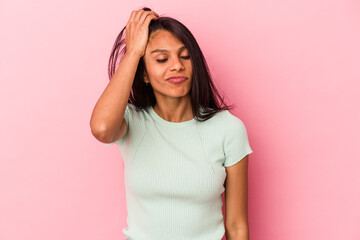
[[177, 79]]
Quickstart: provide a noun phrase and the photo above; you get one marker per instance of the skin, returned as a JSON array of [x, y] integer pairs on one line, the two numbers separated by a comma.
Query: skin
[[236, 201], [173, 99]]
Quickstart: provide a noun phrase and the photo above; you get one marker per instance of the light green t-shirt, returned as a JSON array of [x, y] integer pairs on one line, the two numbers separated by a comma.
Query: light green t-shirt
[[174, 174]]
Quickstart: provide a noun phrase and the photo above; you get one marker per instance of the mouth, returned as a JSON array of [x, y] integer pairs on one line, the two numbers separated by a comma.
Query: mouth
[[177, 79]]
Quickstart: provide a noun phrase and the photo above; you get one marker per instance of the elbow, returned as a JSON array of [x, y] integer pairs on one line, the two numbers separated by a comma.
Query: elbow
[[100, 132]]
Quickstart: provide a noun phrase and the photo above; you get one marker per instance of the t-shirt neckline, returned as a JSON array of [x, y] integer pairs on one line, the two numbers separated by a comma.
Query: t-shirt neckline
[[168, 123]]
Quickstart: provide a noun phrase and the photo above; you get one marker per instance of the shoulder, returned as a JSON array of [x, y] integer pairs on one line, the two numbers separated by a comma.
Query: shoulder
[[233, 127], [229, 120], [223, 125], [132, 107], [234, 121], [133, 110]]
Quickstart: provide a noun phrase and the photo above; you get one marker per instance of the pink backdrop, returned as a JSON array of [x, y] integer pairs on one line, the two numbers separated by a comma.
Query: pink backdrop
[[291, 67]]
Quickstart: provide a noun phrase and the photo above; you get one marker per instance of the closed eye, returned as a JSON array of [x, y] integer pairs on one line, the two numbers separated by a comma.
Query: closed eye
[[164, 60]]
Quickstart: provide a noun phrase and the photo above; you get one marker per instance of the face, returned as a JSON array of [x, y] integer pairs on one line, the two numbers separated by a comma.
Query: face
[[166, 57]]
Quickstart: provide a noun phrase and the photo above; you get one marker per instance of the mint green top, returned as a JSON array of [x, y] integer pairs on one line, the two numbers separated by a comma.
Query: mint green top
[[174, 174]]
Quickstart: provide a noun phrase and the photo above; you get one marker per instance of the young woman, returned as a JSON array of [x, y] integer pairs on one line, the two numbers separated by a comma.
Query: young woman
[[181, 149]]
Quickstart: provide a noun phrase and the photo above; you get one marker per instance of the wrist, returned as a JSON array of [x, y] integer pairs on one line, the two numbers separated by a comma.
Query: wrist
[[133, 54]]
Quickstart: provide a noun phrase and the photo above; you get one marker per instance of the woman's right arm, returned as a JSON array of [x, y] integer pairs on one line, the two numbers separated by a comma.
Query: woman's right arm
[[107, 119]]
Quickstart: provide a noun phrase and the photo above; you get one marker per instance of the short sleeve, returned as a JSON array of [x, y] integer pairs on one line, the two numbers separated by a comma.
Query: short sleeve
[[236, 144], [127, 118]]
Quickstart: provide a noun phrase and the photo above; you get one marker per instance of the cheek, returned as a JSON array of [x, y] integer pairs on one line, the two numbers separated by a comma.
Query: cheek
[[157, 73], [189, 66], [153, 70]]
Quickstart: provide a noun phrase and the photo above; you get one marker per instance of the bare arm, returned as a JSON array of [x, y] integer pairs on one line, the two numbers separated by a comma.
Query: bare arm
[[107, 116], [107, 119], [236, 201]]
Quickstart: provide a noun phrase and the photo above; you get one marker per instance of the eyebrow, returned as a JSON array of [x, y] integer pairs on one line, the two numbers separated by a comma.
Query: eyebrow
[[164, 50]]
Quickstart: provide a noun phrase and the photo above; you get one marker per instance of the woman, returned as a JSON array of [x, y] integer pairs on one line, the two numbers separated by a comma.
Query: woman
[[181, 150]]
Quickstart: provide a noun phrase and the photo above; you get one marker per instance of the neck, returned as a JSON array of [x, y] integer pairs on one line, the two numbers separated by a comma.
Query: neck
[[175, 112]]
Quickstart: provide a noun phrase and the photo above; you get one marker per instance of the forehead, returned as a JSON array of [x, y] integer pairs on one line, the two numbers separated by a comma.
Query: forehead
[[163, 39]]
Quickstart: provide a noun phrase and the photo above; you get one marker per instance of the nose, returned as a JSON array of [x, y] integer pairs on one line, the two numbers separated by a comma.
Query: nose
[[177, 64]]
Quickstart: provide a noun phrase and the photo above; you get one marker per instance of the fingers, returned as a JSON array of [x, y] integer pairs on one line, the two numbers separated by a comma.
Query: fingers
[[147, 15], [148, 18], [137, 29], [140, 15], [143, 14], [132, 16]]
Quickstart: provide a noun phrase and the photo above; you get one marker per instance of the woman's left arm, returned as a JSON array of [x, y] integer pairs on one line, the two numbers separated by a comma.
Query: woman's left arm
[[236, 201]]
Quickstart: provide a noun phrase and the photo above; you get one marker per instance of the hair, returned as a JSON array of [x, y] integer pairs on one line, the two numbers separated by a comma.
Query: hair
[[205, 98]]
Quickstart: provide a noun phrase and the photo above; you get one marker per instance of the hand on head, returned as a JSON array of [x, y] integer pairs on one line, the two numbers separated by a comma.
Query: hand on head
[[137, 30]]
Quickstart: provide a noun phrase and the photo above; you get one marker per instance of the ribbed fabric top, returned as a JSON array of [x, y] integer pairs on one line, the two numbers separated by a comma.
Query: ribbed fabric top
[[174, 174]]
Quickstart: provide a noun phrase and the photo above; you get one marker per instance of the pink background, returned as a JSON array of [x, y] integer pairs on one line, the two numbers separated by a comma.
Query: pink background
[[291, 67]]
